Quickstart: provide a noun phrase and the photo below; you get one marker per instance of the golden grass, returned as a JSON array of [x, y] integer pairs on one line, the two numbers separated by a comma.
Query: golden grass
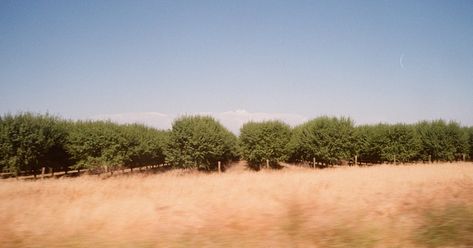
[[379, 206]]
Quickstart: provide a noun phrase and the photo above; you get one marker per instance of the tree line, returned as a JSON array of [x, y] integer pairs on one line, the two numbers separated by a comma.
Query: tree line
[[30, 141]]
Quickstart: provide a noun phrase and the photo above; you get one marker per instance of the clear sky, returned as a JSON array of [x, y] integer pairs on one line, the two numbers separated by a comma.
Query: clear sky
[[375, 61]]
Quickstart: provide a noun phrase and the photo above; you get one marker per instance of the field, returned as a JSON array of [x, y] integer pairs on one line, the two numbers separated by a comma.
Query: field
[[378, 206]]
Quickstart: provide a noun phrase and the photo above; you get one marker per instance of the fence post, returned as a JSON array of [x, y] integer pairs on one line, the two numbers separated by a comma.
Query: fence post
[[394, 159], [219, 167], [356, 159], [267, 163], [464, 157], [313, 160], [42, 172]]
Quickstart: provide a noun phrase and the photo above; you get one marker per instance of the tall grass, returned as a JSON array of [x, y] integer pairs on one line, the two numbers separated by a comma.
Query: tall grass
[[382, 206]]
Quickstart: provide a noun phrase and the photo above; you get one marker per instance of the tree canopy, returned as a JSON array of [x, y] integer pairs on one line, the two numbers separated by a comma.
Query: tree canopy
[[28, 141], [327, 139], [199, 142], [261, 141]]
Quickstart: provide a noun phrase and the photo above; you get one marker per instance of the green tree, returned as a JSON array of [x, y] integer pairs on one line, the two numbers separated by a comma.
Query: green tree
[[149, 145], [384, 142], [261, 141], [96, 144], [401, 143], [327, 139], [30, 141], [199, 142], [367, 143], [441, 140], [470, 142]]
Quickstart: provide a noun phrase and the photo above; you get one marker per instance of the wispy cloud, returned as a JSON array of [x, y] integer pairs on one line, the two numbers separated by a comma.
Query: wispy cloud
[[232, 120], [152, 119]]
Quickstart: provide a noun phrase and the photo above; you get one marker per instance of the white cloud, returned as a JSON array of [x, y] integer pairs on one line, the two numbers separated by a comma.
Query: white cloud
[[152, 119], [232, 120]]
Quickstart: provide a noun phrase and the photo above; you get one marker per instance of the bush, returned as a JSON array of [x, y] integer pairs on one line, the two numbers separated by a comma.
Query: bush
[[327, 139], [470, 142], [401, 143], [149, 148], [94, 144], [29, 141], [264, 141], [367, 143], [383, 142], [199, 142], [442, 141]]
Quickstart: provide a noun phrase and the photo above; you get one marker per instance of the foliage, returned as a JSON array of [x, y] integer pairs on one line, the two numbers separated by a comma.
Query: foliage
[[264, 141], [441, 140], [98, 143], [150, 148], [469, 132], [29, 141], [327, 139], [199, 142], [383, 142]]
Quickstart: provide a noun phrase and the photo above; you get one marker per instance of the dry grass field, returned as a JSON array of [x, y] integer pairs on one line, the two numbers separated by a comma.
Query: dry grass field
[[378, 206]]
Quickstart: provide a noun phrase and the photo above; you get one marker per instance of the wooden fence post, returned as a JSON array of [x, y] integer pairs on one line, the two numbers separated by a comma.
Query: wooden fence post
[[356, 159], [42, 172], [313, 160], [267, 163], [394, 159], [464, 157], [219, 167]]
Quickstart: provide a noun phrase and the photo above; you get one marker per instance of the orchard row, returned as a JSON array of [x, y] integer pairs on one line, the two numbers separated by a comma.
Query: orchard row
[[29, 142]]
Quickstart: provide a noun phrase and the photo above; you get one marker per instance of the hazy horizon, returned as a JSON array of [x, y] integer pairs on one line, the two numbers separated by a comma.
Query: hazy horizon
[[152, 61]]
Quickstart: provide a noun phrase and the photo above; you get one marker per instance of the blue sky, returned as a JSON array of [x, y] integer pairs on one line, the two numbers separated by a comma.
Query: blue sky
[[375, 61]]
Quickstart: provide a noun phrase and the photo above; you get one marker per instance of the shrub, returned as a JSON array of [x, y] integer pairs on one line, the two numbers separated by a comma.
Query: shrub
[[401, 143], [327, 139], [470, 142], [29, 141], [149, 145], [93, 144], [264, 141], [199, 142], [383, 142], [442, 141]]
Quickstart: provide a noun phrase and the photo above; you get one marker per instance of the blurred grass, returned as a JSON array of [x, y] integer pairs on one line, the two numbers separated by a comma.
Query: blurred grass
[[383, 206], [451, 226]]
